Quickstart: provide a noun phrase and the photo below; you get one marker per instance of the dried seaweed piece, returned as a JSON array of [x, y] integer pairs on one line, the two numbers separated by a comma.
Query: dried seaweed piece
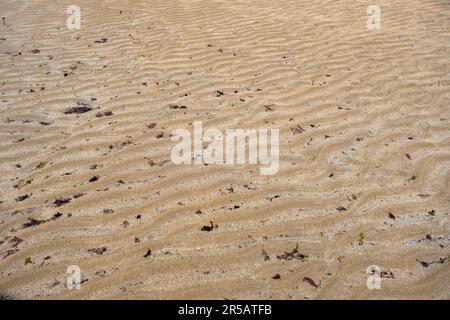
[[276, 276], [102, 40], [80, 108], [9, 252], [45, 259], [298, 129], [423, 263], [99, 251], [391, 216], [101, 273], [341, 208], [94, 178], [15, 241], [310, 282], [61, 201], [294, 254], [361, 238], [32, 222], [28, 260], [151, 125], [173, 106], [41, 164], [265, 255], [387, 274], [35, 222], [55, 216], [427, 264], [268, 107], [148, 254], [209, 228], [104, 114], [24, 197], [274, 197]]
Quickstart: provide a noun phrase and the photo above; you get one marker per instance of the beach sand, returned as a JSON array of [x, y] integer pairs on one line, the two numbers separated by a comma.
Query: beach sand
[[363, 180]]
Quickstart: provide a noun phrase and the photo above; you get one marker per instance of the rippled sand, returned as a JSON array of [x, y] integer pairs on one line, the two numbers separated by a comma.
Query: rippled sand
[[366, 182]]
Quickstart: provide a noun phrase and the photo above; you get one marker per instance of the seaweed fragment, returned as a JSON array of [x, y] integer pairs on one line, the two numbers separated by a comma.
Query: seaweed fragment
[[80, 108], [24, 197], [99, 251], [41, 164], [209, 228], [148, 254], [61, 201], [294, 254], [361, 238], [310, 282]]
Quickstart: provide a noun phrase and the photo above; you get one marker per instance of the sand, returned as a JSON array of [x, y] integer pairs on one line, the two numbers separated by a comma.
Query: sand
[[365, 182]]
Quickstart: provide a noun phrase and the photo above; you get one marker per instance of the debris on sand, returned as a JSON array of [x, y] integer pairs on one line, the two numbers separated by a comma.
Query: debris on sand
[[15, 241], [9, 252], [99, 251], [35, 222], [94, 178], [41, 164], [32, 222], [387, 274], [104, 114], [80, 108], [24, 197], [209, 228], [298, 129], [269, 107], [361, 238], [102, 40], [276, 276], [173, 106], [61, 201], [426, 264], [148, 254], [294, 254], [310, 282], [265, 255]]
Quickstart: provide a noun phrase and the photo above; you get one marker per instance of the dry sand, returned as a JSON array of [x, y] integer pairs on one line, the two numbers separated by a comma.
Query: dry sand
[[373, 159]]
